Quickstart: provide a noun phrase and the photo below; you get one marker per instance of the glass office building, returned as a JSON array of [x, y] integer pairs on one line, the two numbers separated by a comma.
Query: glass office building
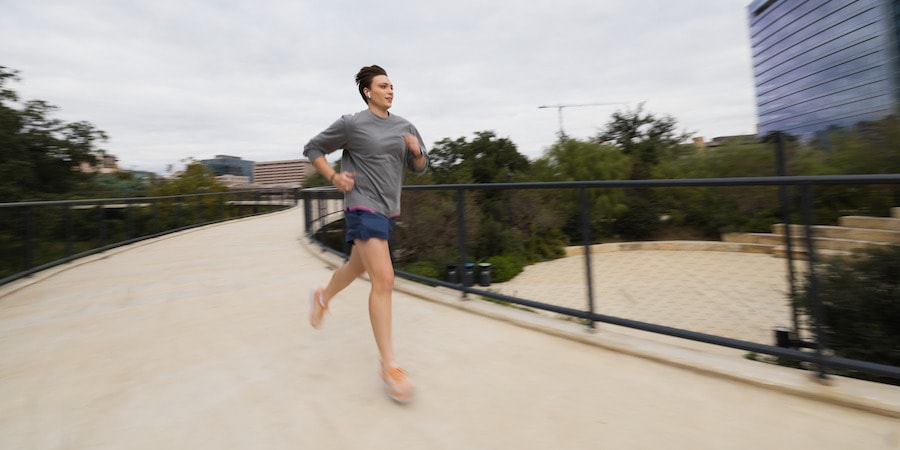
[[230, 165], [824, 63]]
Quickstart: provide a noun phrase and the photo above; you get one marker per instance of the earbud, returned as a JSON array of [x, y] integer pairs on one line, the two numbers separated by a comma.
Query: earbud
[[368, 94]]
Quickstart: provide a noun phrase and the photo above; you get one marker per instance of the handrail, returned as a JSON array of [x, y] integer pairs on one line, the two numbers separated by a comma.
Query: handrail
[[711, 182], [804, 183], [21, 240]]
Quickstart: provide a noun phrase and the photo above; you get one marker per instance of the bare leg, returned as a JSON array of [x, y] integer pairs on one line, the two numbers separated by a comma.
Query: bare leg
[[344, 275], [376, 258]]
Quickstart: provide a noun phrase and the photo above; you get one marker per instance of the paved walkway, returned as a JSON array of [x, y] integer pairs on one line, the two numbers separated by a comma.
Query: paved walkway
[[200, 340]]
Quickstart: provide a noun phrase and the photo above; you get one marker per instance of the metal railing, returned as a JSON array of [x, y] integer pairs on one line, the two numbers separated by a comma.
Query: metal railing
[[322, 206], [35, 236]]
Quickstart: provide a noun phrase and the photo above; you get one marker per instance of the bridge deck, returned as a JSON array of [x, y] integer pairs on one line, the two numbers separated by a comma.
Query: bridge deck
[[200, 340]]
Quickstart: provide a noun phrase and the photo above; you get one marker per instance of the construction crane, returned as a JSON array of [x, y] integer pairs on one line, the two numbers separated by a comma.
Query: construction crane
[[559, 109]]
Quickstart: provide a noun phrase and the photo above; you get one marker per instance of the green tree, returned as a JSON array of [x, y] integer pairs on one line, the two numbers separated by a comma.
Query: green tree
[[644, 137], [39, 154], [123, 183], [868, 147], [714, 210], [574, 160], [497, 222], [486, 159], [194, 179], [187, 209]]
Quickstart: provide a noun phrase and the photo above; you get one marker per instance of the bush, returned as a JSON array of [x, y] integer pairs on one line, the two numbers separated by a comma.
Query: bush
[[860, 297], [504, 267], [425, 269], [639, 222]]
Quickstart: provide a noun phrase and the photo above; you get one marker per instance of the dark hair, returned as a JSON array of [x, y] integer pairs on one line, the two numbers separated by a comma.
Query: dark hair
[[364, 78]]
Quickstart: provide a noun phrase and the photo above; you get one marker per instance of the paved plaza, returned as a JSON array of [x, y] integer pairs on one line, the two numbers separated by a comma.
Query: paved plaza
[[199, 340], [736, 295]]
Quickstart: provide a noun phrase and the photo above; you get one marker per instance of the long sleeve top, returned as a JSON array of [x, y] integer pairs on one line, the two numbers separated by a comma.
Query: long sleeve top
[[374, 149]]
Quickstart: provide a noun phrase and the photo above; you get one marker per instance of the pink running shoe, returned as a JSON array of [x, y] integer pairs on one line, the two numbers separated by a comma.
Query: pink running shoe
[[317, 306], [396, 383]]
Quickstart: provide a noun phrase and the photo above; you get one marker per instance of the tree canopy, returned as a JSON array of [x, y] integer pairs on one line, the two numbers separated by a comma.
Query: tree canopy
[[486, 159], [39, 154], [644, 137], [196, 178]]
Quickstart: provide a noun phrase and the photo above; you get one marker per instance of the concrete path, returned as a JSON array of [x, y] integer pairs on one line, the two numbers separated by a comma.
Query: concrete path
[[200, 340]]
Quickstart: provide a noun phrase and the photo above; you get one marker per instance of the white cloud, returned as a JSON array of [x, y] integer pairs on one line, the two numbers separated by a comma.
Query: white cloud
[[169, 80]]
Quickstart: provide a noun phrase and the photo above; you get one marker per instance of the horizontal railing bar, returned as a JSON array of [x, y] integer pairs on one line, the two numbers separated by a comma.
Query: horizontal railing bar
[[688, 182], [107, 202], [144, 199], [831, 361], [823, 360]]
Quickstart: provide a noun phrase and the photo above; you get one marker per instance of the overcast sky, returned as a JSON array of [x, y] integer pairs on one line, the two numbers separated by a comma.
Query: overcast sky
[[168, 80]]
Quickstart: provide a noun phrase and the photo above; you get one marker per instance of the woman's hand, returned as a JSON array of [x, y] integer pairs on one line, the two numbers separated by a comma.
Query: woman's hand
[[343, 181], [412, 144]]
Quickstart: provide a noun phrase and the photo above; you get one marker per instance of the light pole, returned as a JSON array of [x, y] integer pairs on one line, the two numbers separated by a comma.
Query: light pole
[[560, 107]]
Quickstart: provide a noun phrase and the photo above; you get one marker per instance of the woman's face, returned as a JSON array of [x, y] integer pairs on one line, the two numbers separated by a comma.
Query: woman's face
[[382, 92]]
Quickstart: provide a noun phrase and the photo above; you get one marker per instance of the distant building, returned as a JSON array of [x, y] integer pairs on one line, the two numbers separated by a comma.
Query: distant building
[[233, 180], [287, 173], [699, 142], [824, 63], [739, 139], [230, 165], [106, 163]]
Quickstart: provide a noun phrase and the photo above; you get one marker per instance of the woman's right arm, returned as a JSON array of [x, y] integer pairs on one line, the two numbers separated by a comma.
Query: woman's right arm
[[332, 138], [322, 166]]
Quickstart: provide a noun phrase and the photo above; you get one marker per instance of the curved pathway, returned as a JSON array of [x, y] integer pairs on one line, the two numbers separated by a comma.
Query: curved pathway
[[200, 340]]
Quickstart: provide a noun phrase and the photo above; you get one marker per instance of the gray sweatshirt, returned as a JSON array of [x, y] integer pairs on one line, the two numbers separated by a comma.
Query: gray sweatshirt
[[375, 151]]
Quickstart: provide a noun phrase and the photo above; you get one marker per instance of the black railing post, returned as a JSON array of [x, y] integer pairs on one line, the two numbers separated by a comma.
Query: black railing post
[[29, 238], [69, 235], [784, 199], [586, 239], [178, 212], [803, 204], [461, 229], [812, 289], [322, 205], [101, 224], [200, 199], [32, 247], [130, 218], [155, 212], [307, 213]]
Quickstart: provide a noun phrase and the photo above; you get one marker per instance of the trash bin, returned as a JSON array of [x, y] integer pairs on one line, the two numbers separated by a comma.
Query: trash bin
[[484, 274], [783, 337], [469, 275], [451, 274]]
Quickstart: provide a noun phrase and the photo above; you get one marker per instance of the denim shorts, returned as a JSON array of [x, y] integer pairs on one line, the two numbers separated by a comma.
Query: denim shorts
[[364, 225]]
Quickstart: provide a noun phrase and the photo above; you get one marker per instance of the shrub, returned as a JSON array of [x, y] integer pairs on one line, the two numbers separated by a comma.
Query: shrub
[[859, 298], [639, 222], [425, 269], [504, 267]]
